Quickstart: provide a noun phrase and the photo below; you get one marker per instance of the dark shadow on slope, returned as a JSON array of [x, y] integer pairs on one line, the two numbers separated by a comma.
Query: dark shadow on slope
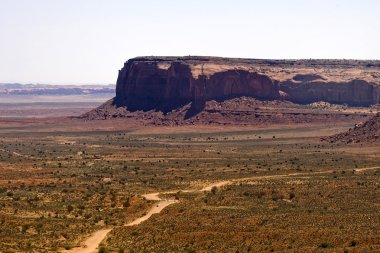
[[196, 107]]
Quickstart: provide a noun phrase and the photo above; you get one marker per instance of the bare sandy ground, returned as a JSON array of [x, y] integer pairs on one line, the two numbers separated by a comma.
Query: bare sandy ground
[[91, 244]]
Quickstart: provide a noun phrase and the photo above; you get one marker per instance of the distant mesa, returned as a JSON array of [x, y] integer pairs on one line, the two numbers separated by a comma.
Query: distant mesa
[[167, 83], [10, 89]]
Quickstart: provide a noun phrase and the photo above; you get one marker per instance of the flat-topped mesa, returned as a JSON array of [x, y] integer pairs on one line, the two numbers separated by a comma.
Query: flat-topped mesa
[[165, 83]]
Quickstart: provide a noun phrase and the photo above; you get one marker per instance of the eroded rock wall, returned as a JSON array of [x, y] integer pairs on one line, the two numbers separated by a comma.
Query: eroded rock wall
[[354, 93]]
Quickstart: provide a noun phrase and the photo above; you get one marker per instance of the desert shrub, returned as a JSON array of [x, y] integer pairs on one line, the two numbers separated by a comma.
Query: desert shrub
[[87, 216], [276, 196], [260, 194], [325, 245], [70, 208], [68, 247], [103, 249], [25, 228], [127, 203], [246, 194]]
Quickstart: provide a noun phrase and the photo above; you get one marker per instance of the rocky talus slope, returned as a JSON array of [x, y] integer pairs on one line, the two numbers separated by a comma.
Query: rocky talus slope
[[366, 132]]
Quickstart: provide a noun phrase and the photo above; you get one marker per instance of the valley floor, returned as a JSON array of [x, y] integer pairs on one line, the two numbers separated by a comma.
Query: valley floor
[[275, 188]]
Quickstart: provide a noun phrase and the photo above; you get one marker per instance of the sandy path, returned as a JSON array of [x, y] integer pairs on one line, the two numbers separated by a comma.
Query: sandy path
[[91, 244], [157, 208], [365, 169]]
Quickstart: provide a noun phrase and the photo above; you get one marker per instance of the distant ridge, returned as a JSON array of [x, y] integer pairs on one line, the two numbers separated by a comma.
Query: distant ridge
[[46, 89]]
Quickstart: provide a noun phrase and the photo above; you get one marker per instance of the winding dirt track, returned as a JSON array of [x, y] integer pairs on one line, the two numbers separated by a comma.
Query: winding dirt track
[[91, 244]]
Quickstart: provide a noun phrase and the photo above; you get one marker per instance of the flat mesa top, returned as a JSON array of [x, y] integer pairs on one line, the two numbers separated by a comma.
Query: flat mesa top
[[281, 70]]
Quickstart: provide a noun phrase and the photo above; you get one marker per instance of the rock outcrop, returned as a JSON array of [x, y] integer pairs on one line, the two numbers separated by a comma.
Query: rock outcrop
[[165, 83], [366, 132]]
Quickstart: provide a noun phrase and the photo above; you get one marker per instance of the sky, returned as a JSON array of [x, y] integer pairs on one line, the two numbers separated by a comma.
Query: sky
[[88, 41]]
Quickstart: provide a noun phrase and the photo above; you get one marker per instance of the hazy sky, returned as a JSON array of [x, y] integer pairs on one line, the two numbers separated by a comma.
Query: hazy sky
[[88, 41]]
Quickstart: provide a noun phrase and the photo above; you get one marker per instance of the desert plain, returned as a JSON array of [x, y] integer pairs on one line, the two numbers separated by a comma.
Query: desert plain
[[271, 188]]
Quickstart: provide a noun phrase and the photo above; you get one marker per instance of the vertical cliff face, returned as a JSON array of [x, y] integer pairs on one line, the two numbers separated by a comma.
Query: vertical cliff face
[[145, 85], [168, 82]]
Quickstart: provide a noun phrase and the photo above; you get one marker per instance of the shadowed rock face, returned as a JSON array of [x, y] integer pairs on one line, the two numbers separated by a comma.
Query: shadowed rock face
[[166, 83], [145, 86]]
